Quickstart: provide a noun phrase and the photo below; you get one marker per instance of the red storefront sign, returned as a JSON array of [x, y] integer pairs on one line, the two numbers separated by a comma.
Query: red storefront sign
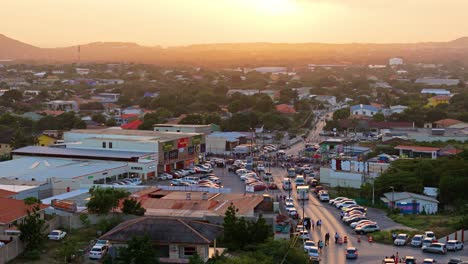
[[182, 142]]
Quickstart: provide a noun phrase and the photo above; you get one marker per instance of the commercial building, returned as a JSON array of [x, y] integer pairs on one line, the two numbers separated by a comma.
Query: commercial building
[[435, 91], [417, 152], [350, 173], [395, 61], [437, 81], [364, 110], [60, 105], [225, 142], [171, 150], [427, 134]]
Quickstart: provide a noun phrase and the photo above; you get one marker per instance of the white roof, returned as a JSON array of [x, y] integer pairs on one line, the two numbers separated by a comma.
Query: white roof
[[397, 196]]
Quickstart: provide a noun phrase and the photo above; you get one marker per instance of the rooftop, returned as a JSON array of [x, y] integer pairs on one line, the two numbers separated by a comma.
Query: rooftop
[[79, 153], [179, 125], [11, 210], [397, 196], [4, 193], [447, 122], [165, 231], [42, 169], [230, 136], [417, 148], [150, 135]]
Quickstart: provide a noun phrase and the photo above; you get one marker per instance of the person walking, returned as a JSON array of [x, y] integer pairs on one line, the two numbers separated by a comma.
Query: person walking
[[327, 239], [320, 245], [336, 237], [341, 215], [319, 224], [312, 223]]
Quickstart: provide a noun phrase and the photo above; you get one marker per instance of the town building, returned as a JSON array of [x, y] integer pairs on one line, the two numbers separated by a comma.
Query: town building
[[225, 142], [435, 91], [60, 105], [437, 81], [417, 152], [364, 110], [450, 123], [395, 61], [179, 128], [171, 150], [427, 134], [176, 239], [12, 211], [411, 203], [350, 173], [328, 99], [438, 99]]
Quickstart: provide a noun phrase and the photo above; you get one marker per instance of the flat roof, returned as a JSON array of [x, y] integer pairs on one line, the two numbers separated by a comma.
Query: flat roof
[[40, 169], [180, 125], [153, 135], [80, 152]]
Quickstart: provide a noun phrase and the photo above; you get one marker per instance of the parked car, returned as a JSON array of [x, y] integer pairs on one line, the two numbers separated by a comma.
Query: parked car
[[345, 204], [365, 221], [429, 261], [318, 188], [436, 248], [98, 252], [367, 229], [313, 252], [162, 177], [409, 260], [430, 234], [455, 261], [454, 245], [101, 242], [335, 200], [355, 208], [426, 242], [272, 186], [351, 253], [308, 244], [293, 213], [401, 240], [416, 241], [356, 219], [57, 235]]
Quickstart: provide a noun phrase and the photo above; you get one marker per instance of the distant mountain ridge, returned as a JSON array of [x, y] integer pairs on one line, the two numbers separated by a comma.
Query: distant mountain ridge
[[238, 54]]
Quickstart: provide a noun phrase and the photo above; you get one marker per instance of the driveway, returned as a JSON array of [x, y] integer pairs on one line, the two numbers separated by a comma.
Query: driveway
[[385, 223]]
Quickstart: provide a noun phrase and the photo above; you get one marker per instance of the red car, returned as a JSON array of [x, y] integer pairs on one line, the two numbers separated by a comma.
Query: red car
[[259, 187], [273, 186]]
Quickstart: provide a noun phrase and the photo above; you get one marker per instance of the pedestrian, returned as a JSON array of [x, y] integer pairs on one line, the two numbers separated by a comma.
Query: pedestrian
[[327, 239], [336, 237], [312, 223], [394, 235], [396, 258], [341, 215], [281, 197], [320, 244], [393, 256]]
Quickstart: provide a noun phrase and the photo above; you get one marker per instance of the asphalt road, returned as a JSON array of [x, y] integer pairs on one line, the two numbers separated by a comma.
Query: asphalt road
[[331, 223]]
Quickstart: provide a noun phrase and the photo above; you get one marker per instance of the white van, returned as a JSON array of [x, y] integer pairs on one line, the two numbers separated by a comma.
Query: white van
[[191, 180], [287, 184]]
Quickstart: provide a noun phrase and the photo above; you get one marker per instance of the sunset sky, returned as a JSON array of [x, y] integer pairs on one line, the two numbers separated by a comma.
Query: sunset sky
[[52, 23]]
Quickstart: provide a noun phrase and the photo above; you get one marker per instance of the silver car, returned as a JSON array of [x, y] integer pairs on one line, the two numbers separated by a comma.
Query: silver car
[[436, 248]]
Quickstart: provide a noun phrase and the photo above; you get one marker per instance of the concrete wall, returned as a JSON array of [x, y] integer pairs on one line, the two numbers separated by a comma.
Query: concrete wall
[[216, 145], [460, 235], [340, 178]]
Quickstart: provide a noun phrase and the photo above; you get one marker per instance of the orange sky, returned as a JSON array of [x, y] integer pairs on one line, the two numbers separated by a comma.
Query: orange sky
[[51, 23]]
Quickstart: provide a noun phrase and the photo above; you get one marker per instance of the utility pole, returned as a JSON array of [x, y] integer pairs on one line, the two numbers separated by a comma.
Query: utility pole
[[393, 196], [290, 187]]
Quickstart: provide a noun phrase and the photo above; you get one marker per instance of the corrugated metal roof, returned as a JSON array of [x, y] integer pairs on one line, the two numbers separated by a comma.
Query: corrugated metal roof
[[85, 153], [397, 196]]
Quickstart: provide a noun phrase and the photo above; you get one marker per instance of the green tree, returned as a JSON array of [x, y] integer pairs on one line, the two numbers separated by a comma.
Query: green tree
[[341, 114], [32, 229], [21, 139], [31, 200], [99, 118], [193, 119], [230, 227], [133, 207], [103, 200], [139, 251], [196, 259], [287, 96], [66, 250], [91, 106], [378, 117]]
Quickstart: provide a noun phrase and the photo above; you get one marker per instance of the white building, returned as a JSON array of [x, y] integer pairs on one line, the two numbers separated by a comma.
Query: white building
[[328, 99], [436, 91], [60, 105], [411, 203], [82, 71], [395, 61]]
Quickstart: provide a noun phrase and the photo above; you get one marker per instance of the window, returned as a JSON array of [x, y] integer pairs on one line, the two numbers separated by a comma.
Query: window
[[356, 113], [110, 144], [103, 144], [371, 113], [190, 251]]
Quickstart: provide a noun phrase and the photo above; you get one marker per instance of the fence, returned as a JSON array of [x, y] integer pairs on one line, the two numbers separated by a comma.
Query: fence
[[461, 235], [15, 246]]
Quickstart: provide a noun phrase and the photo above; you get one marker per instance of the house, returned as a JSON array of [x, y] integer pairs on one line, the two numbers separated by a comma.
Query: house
[[60, 105], [435, 91], [364, 110], [329, 99], [302, 92], [382, 84], [133, 125], [395, 61], [450, 123], [438, 99], [417, 152], [427, 134], [437, 81], [49, 138], [176, 239], [179, 128], [11, 211], [394, 109], [285, 109], [411, 203]]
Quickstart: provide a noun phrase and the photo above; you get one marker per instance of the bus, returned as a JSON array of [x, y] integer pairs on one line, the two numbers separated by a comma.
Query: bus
[[302, 192]]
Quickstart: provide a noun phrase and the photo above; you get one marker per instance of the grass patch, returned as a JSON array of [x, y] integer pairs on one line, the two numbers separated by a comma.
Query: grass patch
[[441, 225], [385, 237]]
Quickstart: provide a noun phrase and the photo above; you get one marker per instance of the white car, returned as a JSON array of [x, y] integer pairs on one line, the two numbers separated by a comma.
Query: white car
[[101, 242], [134, 181], [57, 235], [336, 200], [304, 234], [98, 252], [401, 240], [324, 197], [308, 244], [313, 252], [430, 234], [345, 204], [289, 200], [454, 245], [426, 242], [416, 241], [355, 224]]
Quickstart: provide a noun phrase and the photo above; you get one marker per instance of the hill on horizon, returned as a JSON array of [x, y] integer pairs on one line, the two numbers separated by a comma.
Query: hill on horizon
[[238, 54]]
